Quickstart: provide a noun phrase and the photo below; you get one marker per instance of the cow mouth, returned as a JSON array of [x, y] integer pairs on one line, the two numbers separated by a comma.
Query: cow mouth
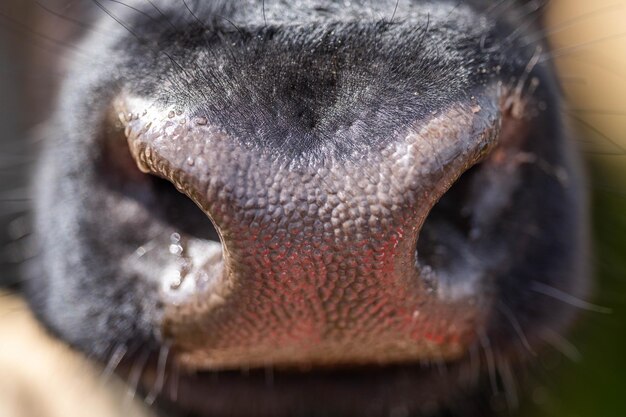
[[365, 390]]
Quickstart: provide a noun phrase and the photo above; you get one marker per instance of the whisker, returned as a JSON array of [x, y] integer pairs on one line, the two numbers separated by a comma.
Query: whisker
[[237, 28], [601, 153], [118, 20], [574, 79], [163, 15], [19, 251], [441, 364], [561, 344], [508, 380], [474, 363], [15, 192], [15, 200], [135, 376], [526, 21], [603, 112], [19, 227], [135, 9], [506, 311], [602, 187], [61, 16], [15, 165], [12, 157], [196, 18], [571, 22], [519, 89], [456, 6], [557, 294], [594, 129], [490, 358], [174, 384], [161, 368], [13, 311], [493, 8], [142, 41], [11, 211], [42, 37], [264, 16], [395, 10], [567, 50], [114, 361], [596, 64]]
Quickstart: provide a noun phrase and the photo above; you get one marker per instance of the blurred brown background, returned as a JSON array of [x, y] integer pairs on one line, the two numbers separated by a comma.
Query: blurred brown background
[[585, 375]]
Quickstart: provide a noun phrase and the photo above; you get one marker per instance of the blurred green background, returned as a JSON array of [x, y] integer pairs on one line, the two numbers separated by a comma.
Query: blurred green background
[[584, 377]]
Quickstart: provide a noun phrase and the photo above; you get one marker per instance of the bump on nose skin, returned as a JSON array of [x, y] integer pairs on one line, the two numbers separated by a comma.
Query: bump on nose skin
[[318, 262]]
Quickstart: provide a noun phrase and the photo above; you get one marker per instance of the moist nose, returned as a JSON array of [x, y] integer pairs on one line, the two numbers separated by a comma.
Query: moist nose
[[318, 263]]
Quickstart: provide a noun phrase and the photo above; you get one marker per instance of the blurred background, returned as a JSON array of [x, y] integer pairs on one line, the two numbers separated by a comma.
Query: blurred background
[[583, 376]]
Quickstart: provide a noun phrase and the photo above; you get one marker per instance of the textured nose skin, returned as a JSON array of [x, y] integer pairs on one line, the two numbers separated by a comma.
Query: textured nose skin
[[318, 254]]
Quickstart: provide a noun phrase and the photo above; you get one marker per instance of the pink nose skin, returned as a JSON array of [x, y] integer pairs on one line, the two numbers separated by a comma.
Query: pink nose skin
[[317, 264]]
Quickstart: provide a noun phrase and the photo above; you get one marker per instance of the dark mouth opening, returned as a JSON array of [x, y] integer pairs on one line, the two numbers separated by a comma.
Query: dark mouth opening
[[366, 390]]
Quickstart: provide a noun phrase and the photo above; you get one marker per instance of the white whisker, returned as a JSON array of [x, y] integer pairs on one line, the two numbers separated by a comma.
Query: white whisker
[[516, 326], [114, 361], [510, 386], [562, 345], [135, 377], [161, 368], [557, 294], [571, 22], [568, 50], [491, 362]]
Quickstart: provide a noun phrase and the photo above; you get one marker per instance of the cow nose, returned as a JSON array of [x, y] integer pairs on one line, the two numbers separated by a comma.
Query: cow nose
[[318, 263]]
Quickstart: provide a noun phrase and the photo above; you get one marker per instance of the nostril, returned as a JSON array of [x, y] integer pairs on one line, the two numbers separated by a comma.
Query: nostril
[[444, 243], [194, 248], [455, 206], [179, 249], [464, 238], [165, 203], [182, 213]]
